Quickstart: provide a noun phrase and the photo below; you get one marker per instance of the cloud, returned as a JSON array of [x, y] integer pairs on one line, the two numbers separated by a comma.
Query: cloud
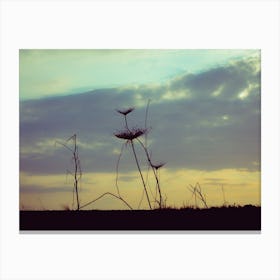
[[127, 178], [207, 121], [42, 189], [52, 72]]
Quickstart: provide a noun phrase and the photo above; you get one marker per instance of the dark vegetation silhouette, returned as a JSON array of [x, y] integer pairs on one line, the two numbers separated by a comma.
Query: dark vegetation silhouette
[[197, 193], [247, 217], [77, 172], [131, 136]]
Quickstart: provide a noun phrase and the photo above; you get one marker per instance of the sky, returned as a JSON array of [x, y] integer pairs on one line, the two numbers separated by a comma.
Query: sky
[[203, 123]]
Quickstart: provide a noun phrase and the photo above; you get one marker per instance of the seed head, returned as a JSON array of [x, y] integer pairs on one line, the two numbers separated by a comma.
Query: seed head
[[131, 133], [158, 165], [125, 111]]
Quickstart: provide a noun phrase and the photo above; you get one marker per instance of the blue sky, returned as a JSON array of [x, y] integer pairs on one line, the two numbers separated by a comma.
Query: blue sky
[[61, 72], [204, 117]]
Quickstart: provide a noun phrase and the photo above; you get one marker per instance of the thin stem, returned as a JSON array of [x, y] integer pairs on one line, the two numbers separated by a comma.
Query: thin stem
[[140, 202], [117, 168], [155, 174], [76, 171], [64, 145], [147, 184], [77, 166], [107, 193], [139, 169], [126, 124], [224, 197], [158, 189], [146, 118], [195, 198], [73, 194], [201, 195], [197, 192]]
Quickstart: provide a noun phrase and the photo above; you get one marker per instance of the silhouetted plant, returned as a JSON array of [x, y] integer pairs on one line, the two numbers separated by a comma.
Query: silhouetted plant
[[131, 134], [118, 196], [198, 194], [77, 173], [224, 197], [125, 111], [155, 167], [159, 165]]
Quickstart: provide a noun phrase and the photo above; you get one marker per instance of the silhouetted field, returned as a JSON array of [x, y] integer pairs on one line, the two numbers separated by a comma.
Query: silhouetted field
[[215, 218]]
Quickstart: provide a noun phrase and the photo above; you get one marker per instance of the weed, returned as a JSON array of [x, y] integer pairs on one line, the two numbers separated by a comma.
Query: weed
[[77, 173], [198, 194], [130, 135], [224, 197], [134, 134]]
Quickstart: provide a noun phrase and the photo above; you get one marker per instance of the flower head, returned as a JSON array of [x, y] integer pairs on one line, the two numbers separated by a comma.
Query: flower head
[[130, 134], [158, 165], [125, 111]]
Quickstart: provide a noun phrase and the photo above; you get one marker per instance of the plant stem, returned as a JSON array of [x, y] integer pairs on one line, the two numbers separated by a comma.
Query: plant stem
[[117, 169], [76, 171], [224, 195], [146, 118], [77, 166], [155, 173], [139, 169], [126, 124], [107, 193]]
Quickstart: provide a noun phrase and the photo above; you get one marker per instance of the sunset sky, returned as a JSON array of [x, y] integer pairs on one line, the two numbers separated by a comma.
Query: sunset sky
[[204, 119]]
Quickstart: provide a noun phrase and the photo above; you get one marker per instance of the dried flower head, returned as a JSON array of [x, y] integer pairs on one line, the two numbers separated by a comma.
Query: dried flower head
[[126, 111], [131, 133], [158, 165]]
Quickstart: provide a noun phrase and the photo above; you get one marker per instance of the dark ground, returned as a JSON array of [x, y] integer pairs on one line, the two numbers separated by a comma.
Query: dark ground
[[215, 218]]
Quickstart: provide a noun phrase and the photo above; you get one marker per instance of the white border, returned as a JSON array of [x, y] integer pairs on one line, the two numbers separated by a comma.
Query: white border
[[155, 24]]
